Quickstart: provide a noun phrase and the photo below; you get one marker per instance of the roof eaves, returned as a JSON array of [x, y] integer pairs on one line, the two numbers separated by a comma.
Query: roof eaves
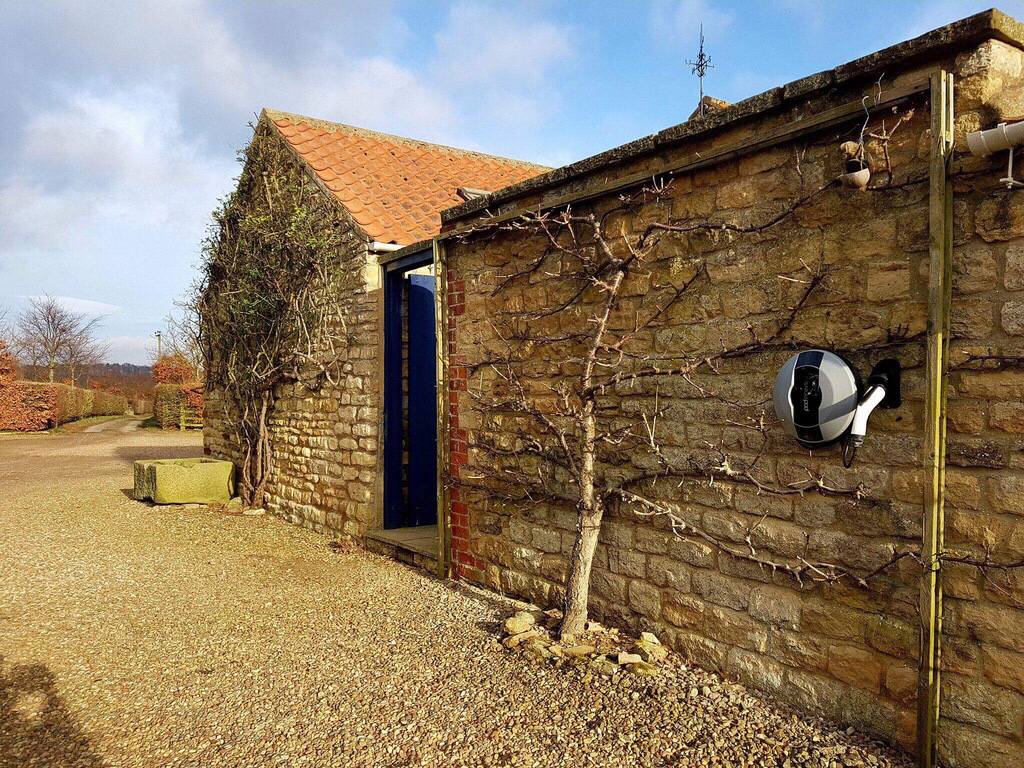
[[406, 250], [990, 24]]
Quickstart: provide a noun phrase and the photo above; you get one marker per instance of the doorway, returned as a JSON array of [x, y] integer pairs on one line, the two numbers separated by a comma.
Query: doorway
[[410, 396]]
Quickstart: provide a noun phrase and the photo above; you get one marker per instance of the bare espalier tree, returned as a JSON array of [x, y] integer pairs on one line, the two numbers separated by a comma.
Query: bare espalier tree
[[48, 333], [586, 310], [563, 436]]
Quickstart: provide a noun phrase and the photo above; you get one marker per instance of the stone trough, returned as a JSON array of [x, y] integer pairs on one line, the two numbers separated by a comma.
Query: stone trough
[[184, 481]]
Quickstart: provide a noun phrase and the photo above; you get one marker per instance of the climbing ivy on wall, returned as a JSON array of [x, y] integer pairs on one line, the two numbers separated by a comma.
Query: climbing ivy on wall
[[271, 269]]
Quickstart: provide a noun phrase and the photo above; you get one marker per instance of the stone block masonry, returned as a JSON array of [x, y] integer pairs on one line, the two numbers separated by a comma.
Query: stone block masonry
[[843, 650], [324, 442]]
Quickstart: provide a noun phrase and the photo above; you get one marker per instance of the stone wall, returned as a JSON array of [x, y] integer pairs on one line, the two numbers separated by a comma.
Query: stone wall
[[847, 651], [983, 683], [324, 442]]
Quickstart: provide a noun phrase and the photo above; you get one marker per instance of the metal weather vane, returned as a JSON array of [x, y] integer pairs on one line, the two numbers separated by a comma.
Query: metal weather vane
[[700, 68]]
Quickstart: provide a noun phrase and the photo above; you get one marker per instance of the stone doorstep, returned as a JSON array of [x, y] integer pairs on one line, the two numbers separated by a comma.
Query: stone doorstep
[[417, 546]]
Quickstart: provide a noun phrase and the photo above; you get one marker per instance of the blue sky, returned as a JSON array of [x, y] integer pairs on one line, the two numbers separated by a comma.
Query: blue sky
[[122, 120]]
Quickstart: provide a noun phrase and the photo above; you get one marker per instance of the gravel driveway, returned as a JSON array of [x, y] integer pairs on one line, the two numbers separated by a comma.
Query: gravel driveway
[[117, 425], [133, 635]]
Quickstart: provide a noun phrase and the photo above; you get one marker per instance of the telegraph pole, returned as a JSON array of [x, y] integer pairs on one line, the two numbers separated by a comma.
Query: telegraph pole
[[700, 68]]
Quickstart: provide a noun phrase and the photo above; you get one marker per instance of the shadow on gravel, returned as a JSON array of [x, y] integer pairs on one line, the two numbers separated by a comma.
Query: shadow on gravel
[[36, 728], [493, 600], [142, 452]]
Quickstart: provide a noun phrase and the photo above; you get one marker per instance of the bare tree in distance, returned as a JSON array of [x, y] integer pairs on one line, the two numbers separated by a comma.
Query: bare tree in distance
[[47, 333], [180, 337], [82, 351]]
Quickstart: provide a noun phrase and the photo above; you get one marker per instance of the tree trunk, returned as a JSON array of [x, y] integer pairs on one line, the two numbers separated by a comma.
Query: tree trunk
[[53, 367], [258, 466], [588, 526], [577, 586]]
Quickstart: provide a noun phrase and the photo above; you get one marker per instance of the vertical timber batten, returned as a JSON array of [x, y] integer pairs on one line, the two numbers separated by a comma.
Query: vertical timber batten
[[940, 258], [443, 418], [378, 319]]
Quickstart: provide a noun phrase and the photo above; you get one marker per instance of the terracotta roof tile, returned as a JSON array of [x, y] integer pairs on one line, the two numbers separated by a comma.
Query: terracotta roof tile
[[394, 187]]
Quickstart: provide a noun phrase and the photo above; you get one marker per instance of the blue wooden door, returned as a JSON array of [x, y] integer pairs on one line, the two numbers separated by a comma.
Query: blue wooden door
[[410, 400], [422, 394]]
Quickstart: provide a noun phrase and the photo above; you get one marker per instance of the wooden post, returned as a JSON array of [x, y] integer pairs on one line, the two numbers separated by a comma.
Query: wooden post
[[940, 259], [443, 419]]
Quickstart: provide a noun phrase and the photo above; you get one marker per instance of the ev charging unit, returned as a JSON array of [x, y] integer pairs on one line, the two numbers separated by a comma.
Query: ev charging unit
[[820, 399]]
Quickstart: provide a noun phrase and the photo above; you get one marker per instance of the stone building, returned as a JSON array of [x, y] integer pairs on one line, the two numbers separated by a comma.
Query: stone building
[[936, 238], [385, 192]]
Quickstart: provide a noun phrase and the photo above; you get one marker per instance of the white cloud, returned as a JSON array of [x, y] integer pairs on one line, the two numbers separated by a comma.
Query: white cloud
[[503, 66], [29, 214], [680, 21], [486, 44], [82, 306], [109, 186], [220, 65], [112, 197], [180, 43], [518, 108], [130, 349], [211, 68], [125, 155], [229, 54], [374, 93], [124, 118]]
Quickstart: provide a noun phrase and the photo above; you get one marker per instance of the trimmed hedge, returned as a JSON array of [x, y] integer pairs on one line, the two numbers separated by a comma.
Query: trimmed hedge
[[141, 406], [70, 403], [29, 406], [171, 399], [107, 404], [167, 405], [25, 407]]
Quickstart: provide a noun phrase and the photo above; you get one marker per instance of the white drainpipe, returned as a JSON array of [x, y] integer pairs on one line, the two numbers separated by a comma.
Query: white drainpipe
[[377, 247]]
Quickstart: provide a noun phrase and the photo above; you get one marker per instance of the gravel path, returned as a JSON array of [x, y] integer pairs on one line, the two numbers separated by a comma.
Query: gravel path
[[133, 635], [118, 425]]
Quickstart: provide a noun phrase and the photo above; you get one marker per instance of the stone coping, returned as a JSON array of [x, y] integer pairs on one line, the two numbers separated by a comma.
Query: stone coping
[[990, 24]]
